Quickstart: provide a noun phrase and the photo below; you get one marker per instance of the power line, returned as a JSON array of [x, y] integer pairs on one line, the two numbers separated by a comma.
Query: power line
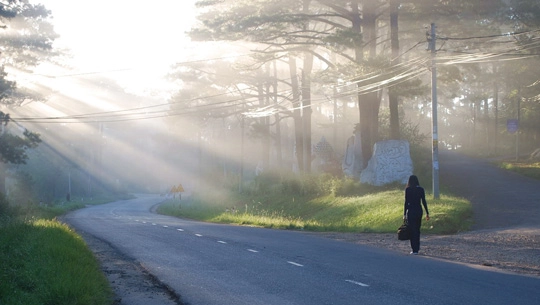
[[489, 36], [394, 75]]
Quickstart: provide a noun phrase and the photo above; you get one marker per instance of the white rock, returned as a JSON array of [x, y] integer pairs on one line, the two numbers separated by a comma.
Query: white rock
[[391, 162]]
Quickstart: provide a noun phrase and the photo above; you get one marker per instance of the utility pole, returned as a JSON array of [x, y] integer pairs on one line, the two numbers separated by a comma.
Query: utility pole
[[435, 152], [518, 124], [242, 127]]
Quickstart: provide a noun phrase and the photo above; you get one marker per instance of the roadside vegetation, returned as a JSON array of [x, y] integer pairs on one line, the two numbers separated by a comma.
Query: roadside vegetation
[[318, 203], [527, 168], [43, 261]]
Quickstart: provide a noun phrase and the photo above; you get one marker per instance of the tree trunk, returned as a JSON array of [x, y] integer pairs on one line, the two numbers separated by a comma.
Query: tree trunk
[[368, 104], [297, 115], [279, 155], [306, 109], [3, 178], [369, 123], [265, 144], [393, 99], [357, 28]]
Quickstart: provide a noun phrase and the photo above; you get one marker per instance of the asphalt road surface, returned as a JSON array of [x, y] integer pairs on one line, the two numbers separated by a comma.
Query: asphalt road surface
[[500, 198], [206, 264]]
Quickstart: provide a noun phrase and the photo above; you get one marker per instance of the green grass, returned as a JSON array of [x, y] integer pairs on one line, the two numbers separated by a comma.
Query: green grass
[[372, 212], [529, 169], [44, 262], [35, 211]]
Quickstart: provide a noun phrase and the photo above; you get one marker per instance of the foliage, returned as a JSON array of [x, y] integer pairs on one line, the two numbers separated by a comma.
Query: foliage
[[23, 192], [291, 183], [322, 184], [4, 207], [410, 131], [470, 114], [13, 148], [26, 37], [45, 262], [6, 88]]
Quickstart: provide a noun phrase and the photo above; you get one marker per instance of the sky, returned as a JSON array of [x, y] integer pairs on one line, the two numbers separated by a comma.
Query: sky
[[119, 53], [130, 41]]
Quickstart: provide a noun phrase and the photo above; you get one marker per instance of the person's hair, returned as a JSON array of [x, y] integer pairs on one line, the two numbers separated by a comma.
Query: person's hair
[[413, 181]]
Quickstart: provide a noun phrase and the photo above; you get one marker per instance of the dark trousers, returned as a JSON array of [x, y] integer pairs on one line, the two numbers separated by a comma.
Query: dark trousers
[[414, 222]]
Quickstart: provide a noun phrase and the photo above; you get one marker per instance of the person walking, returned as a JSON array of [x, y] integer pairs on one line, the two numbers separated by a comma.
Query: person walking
[[415, 197]]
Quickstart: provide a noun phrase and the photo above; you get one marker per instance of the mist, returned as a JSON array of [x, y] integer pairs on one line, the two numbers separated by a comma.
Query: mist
[[208, 109]]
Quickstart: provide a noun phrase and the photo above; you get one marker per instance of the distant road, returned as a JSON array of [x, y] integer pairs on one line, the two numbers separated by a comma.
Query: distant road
[[500, 198], [207, 264]]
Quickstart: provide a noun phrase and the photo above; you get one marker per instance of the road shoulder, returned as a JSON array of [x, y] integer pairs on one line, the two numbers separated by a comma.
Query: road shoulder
[[130, 282], [515, 250]]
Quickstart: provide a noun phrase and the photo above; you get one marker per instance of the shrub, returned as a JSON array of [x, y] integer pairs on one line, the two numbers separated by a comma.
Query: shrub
[[4, 205]]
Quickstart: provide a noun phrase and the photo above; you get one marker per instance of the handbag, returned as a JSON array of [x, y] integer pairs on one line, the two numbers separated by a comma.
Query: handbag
[[403, 232]]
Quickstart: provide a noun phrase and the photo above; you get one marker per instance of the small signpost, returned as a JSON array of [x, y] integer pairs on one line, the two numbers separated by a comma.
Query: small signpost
[[177, 189], [512, 125]]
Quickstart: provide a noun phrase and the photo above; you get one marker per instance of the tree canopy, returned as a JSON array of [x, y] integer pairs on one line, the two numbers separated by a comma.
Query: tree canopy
[[366, 49], [26, 37]]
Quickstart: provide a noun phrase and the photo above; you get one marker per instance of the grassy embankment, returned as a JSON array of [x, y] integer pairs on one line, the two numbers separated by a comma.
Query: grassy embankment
[[333, 209], [340, 206], [529, 169], [43, 261]]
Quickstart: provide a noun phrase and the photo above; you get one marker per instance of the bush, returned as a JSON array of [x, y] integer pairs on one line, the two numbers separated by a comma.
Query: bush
[[347, 187], [293, 184], [265, 181], [4, 205]]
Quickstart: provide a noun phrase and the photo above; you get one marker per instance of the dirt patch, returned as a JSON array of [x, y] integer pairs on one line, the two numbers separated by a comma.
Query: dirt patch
[[131, 283], [511, 250]]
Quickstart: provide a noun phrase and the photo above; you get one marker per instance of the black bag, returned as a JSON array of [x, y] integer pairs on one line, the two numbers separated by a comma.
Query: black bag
[[403, 232]]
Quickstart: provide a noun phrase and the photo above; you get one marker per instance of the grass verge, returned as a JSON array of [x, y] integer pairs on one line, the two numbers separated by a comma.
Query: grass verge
[[529, 169], [380, 212], [44, 262]]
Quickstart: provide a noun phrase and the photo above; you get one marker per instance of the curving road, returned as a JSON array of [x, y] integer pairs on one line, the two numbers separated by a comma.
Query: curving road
[[219, 264]]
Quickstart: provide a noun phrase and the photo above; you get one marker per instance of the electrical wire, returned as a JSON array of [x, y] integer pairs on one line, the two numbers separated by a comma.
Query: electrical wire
[[397, 74]]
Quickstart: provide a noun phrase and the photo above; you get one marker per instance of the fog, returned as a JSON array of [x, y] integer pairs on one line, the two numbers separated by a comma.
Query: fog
[[134, 105]]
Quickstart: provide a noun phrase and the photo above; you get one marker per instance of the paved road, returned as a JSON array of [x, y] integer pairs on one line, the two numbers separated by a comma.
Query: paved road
[[500, 199], [219, 264]]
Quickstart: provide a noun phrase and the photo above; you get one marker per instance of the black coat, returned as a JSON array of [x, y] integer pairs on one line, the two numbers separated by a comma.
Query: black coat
[[415, 197]]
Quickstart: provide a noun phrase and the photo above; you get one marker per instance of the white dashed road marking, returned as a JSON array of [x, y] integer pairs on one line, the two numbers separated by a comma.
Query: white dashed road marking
[[255, 251], [295, 264], [357, 283]]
